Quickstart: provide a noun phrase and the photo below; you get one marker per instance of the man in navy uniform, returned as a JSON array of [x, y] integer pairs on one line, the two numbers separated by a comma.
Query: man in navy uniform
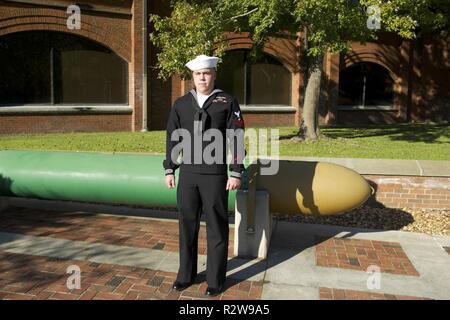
[[203, 186]]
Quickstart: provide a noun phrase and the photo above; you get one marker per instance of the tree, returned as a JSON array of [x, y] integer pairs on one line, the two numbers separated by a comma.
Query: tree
[[199, 27]]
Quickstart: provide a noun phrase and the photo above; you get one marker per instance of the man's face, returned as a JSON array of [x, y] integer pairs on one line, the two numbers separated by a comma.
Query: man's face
[[204, 80]]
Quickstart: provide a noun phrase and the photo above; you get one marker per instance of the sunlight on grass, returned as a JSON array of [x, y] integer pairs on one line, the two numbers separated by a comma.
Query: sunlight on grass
[[412, 141]]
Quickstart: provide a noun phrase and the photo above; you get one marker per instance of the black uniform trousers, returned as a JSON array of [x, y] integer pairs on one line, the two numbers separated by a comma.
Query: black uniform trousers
[[206, 193]]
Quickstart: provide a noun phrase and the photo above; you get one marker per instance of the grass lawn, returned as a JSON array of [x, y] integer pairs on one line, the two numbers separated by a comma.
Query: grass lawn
[[406, 141]]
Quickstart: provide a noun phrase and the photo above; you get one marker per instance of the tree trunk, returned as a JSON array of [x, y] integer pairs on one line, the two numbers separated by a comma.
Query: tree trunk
[[310, 115], [312, 71]]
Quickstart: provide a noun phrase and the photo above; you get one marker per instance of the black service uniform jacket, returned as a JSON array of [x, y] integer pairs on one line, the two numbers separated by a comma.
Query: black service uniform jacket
[[220, 111]]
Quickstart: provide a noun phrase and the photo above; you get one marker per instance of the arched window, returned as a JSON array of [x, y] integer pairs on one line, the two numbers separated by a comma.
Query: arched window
[[365, 84], [53, 68], [262, 82]]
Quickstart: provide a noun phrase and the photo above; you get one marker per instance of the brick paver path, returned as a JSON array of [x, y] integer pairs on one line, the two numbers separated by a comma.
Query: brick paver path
[[340, 294], [357, 254], [106, 229], [35, 277], [27, 277]]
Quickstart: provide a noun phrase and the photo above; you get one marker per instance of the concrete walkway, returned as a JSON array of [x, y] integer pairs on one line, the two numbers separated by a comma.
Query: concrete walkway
[[431, 168]]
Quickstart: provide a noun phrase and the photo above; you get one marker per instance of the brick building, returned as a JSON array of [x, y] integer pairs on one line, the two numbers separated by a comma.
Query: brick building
[[100, 77]]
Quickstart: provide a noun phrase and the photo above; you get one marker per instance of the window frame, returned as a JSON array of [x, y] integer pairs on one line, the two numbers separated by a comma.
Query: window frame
[[380, 107], [247, 90], [45, 107]]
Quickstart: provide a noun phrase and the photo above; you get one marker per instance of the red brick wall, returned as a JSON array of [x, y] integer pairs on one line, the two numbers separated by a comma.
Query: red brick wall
[[420, 69], [420, 72], [137, 70], [160, 93], [19, 124], [390, 52], [357, 117], [110, 30], [410, 191], [281, 49], [430, 90], [109, 23], [268, 119]]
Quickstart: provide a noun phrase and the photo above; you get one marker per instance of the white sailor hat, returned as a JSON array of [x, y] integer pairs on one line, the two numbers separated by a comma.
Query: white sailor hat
[[202, 62]]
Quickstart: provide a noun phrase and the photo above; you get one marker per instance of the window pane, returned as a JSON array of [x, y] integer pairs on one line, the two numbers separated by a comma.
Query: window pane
[[379, 86], [88, 73], [231, 75], [351, 81], [270, 83], [83, 71], [366, 84], [263, 82], [24, 69]]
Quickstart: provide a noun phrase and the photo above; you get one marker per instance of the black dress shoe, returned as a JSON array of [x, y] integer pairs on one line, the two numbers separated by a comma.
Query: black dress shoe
[[212, 292], [180, 286]]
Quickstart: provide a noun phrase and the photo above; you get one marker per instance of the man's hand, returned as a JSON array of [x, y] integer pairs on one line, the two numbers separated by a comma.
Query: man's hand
[[170, 181], [233, 184]]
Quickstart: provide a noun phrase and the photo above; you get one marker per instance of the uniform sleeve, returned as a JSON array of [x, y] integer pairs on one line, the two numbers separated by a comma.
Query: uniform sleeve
[[172, 124], [235, 134]]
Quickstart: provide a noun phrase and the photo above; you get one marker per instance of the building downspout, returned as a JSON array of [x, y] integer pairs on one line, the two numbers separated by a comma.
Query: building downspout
[[145, 67]]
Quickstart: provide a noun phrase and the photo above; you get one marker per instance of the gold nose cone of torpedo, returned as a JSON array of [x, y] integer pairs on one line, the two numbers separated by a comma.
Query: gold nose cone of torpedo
[[317, 188]]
